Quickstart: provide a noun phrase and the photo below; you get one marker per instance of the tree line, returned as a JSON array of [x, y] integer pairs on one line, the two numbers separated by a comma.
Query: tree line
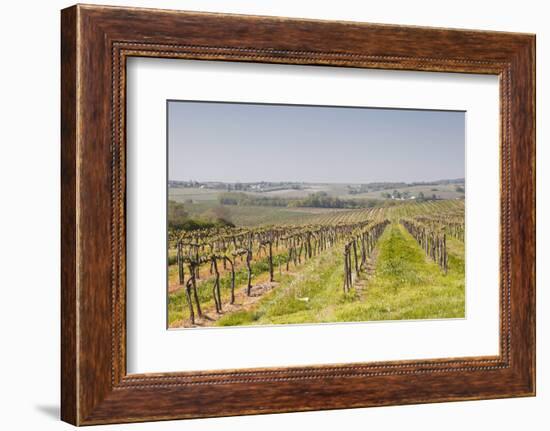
[[313, 200], [178, 218]]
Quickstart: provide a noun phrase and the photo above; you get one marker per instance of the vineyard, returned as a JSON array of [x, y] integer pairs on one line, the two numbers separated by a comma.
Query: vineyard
[[393, 262]]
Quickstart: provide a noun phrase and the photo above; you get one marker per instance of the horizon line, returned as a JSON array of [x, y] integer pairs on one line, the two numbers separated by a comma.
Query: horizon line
[[320, 182]]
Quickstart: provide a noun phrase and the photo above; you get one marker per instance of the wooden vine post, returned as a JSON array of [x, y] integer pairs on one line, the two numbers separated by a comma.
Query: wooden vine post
[[248, 265]]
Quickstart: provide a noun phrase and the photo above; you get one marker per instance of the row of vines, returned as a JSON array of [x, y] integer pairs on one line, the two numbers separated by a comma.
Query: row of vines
[[233, 248], [431, 231], [358, 247]]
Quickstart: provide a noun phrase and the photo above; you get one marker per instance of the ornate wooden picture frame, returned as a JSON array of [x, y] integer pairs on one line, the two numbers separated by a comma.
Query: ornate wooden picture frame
[[96, 41]]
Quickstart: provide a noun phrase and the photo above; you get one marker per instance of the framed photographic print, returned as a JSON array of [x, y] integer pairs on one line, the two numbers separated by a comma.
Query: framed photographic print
[[322, 214]]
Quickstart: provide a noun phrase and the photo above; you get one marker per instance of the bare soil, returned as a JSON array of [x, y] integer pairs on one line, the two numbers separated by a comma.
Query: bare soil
[[243, 302]]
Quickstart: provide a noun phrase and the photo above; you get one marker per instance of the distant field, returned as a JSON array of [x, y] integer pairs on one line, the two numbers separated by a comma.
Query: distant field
[[204, 200], [181, 194], [446, 191], [261, 215], [197, 202], [442, 191]]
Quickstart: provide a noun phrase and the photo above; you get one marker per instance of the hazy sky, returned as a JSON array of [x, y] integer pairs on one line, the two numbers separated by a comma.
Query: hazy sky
[[254, 142]]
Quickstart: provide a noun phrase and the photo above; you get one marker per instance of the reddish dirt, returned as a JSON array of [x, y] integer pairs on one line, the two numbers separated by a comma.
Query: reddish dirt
[[243, 302], [174, 286]]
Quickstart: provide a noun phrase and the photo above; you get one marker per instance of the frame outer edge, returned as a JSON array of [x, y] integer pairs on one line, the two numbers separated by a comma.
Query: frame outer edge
[[533, 54], [530, 62], [532, 101], [69, 201], [523, 216]]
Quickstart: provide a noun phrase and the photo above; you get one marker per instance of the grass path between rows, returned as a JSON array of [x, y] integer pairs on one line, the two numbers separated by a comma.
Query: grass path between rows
[[408, 285], [404, 284]]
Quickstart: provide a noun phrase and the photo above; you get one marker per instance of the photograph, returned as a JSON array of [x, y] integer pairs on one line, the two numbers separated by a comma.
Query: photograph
[[301, 214]]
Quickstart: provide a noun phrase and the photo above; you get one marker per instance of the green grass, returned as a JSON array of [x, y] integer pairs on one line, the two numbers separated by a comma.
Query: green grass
[[405, 285], [319, 280]]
